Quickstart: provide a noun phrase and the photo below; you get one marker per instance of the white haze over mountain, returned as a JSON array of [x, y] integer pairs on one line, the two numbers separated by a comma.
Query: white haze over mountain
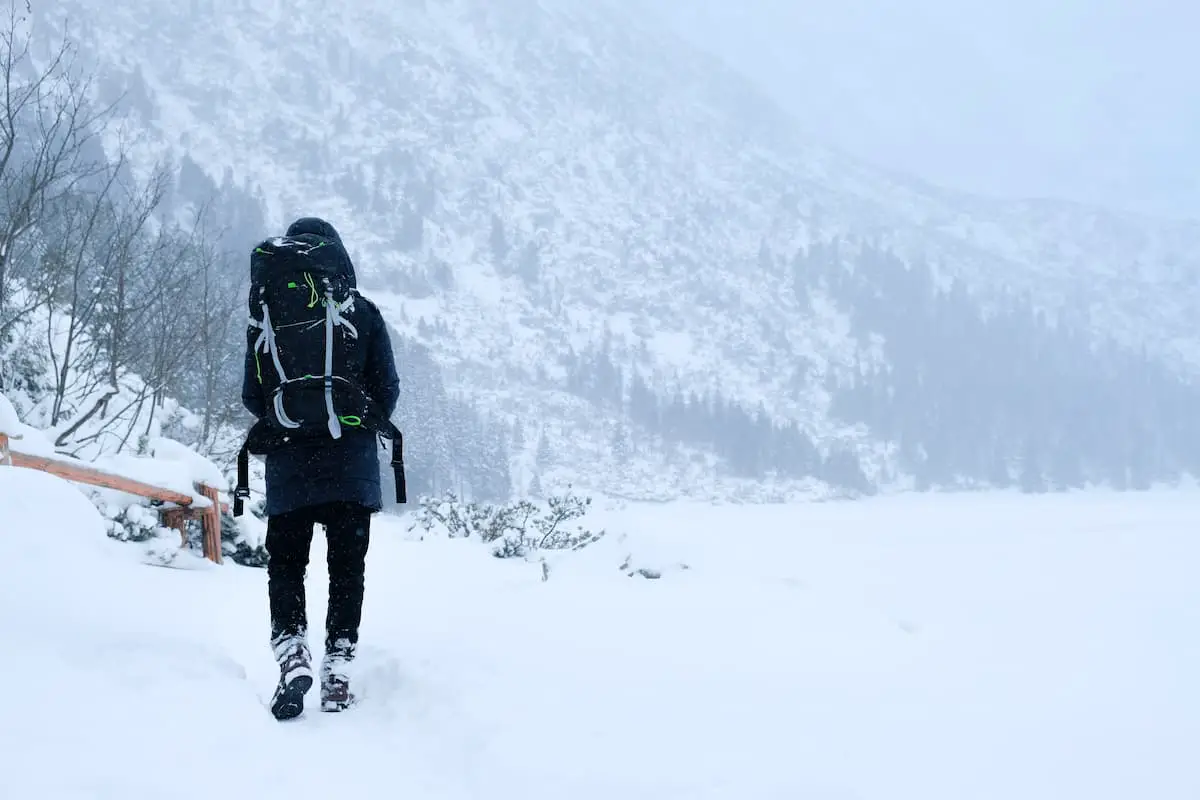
[[1088, 100]]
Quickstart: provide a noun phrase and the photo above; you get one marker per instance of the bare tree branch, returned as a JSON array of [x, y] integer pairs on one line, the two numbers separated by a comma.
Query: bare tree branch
[[47, 129]]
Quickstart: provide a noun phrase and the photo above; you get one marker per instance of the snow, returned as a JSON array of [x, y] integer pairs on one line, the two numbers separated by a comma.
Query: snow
[[22, 437], [914, 647], [196, 467], [178, 476], [48, 520], [8, 415]]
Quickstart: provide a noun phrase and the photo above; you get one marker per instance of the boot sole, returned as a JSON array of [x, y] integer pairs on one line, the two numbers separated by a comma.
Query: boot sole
[[289, 703]]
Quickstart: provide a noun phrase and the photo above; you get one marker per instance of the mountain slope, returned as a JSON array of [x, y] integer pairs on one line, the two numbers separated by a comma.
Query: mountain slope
[[525, 182]]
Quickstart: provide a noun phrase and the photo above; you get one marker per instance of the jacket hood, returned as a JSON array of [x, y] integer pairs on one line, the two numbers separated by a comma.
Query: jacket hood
[[323, 228]]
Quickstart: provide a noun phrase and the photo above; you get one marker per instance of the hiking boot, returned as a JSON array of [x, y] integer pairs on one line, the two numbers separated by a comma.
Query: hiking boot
[[335, 683], [295, 676], [335, 693]]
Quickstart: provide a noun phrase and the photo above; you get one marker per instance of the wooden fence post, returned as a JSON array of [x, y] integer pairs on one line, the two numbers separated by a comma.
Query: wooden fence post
[[210, 521], [5, 458], [176, 518]]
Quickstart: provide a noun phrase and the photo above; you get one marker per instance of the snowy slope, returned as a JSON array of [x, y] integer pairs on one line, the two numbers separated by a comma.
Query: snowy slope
[[633, 181], [988, 647]]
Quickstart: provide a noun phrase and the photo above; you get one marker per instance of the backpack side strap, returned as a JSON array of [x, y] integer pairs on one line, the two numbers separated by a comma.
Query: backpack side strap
[[335, 424], [398, 462], [242, 491], [261, 439]]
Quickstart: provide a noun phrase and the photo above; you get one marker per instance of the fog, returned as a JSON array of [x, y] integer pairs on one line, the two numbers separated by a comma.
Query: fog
[[1092, 100]]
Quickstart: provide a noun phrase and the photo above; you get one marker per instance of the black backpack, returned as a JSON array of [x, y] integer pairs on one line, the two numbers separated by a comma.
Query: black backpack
[[304, 339]]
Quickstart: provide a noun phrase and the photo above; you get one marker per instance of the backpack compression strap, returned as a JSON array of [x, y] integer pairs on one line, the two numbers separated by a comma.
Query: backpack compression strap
[[331, 317], [266, 342], [334, 318]]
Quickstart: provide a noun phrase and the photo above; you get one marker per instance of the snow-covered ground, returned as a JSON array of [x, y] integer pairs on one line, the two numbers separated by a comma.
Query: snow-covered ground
[[910, 648]]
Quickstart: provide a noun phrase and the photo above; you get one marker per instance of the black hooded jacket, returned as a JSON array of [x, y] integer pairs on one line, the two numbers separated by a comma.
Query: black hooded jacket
[[346, 469]]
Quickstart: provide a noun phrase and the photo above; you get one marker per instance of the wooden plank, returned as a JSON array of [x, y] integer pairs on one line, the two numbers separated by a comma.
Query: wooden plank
[[5, 457], [94, 477], [211, 522]]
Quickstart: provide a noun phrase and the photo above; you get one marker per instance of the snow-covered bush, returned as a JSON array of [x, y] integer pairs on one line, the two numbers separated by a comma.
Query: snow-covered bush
[[515, 530], [136, 523], [241, 542], [243, 538], [544, 533]]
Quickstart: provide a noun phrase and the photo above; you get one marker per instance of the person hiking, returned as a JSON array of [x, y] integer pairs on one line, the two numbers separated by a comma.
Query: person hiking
[[320, 377]]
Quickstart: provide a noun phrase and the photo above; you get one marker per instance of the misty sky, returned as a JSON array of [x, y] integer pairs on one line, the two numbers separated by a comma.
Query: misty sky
[[1094, 100]]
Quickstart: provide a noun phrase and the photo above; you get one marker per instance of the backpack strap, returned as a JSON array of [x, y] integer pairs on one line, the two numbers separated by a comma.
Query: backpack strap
[[398, 462], [262, 438], [242, 491], [339, 318], [331, 317], [266, 342]]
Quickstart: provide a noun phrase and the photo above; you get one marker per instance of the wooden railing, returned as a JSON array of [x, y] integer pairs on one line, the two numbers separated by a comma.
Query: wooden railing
[[176, 508]]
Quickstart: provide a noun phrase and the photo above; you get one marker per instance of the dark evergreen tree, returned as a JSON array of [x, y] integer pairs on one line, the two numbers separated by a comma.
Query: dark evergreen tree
[[498, 240], [529, 266], [749, 442], [448, 444], [412, 228], [979, 393]]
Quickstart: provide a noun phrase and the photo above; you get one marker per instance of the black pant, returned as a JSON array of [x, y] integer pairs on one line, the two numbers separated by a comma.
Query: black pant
[[289, 537]]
